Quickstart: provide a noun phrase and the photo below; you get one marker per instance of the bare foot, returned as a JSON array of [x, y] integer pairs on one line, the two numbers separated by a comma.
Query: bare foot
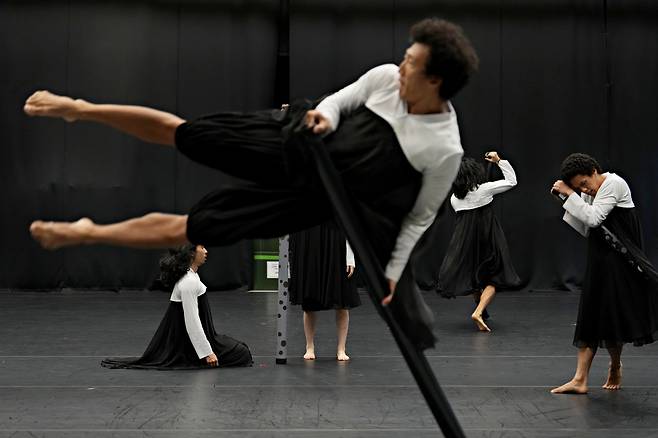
[[571, 387], [387, 299], [46, 104], [54, 235], [480, 323], [614, 378], [341, 355], [310, 354]]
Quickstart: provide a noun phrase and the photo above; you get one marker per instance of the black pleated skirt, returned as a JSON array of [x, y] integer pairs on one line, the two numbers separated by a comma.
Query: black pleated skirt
[[477, 256], [618, 303], [171, 348], [318, 279]]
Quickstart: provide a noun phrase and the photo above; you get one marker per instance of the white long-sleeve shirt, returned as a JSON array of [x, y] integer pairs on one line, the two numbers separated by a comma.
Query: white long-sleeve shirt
[[430, 142], [485, 192], [188, 290], [584, 212], [349, 255]]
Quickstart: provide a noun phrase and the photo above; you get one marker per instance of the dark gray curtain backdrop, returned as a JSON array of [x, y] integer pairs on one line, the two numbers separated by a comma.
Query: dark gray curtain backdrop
[[556, 76], [187, 58]]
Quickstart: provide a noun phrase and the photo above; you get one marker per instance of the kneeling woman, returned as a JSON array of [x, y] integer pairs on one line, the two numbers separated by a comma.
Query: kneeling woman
[[619, 300], [186, 337]]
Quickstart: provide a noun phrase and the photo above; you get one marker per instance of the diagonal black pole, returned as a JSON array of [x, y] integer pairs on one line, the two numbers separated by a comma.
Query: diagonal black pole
[[416, 360]]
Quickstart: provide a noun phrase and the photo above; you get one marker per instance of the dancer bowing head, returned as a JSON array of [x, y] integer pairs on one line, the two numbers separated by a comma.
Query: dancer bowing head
[[478, 260], [619, 299], [186, 337]]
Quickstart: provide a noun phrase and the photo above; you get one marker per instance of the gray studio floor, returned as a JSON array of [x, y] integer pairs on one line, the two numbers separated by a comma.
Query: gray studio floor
[[51, 384]]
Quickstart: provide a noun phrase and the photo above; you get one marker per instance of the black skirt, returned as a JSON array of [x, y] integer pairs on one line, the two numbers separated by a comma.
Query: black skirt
[[477, 256], [618, 303], [171, 348], [318, 277]]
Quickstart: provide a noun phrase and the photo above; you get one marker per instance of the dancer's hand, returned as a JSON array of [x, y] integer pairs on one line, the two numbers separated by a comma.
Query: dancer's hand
[[561, 187], [350, 271], [388, 298], [492, 157], [316, 121], [211, 360]]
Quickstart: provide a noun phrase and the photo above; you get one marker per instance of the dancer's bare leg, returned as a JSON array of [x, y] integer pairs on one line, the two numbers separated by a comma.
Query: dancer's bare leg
[[309, 331], [578, 385], [147, 124], [485, 299], [342, 327], [476, 298], [155, 230], [614, 372]]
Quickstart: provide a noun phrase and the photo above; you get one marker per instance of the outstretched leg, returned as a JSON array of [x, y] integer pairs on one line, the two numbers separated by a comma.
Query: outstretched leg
[[578, 385], [485, 299], [342, 326], [309, 331], [147, 124], [155, 230], [614, 372]]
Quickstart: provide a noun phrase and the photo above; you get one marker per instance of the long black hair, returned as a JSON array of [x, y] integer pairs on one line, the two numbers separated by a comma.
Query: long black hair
[[175, 264], [471, 174]]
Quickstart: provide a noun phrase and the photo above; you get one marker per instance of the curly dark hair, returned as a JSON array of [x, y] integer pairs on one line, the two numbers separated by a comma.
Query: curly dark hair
[[470, 175], [174, 264], [452, 57], [578, 164]]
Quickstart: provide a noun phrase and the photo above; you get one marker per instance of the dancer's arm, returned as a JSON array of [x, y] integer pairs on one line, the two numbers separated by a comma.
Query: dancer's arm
[[349, 259], [502, 185], [594, 213], [189, 296], [327, 114], [436, 185]]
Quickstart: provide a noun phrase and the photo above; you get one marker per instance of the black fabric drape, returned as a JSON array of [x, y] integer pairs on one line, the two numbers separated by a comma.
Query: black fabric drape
[[408, 316]]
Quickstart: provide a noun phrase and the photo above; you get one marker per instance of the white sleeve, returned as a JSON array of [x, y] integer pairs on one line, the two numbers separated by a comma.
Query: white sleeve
[[349, 255], [437, 183], [592, 215], [502, 185], [576, 224], [354, 95], [189, 297]]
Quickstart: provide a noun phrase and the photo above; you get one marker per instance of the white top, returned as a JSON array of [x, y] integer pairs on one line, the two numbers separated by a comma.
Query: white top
[[485, 192], [430, 142], [187, 290], [584, 212], [349, 255]]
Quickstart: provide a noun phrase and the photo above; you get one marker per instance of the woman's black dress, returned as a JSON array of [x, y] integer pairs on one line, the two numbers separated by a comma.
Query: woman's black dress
[[477, 255], [171, 348], [619, 302], [318, 277]]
